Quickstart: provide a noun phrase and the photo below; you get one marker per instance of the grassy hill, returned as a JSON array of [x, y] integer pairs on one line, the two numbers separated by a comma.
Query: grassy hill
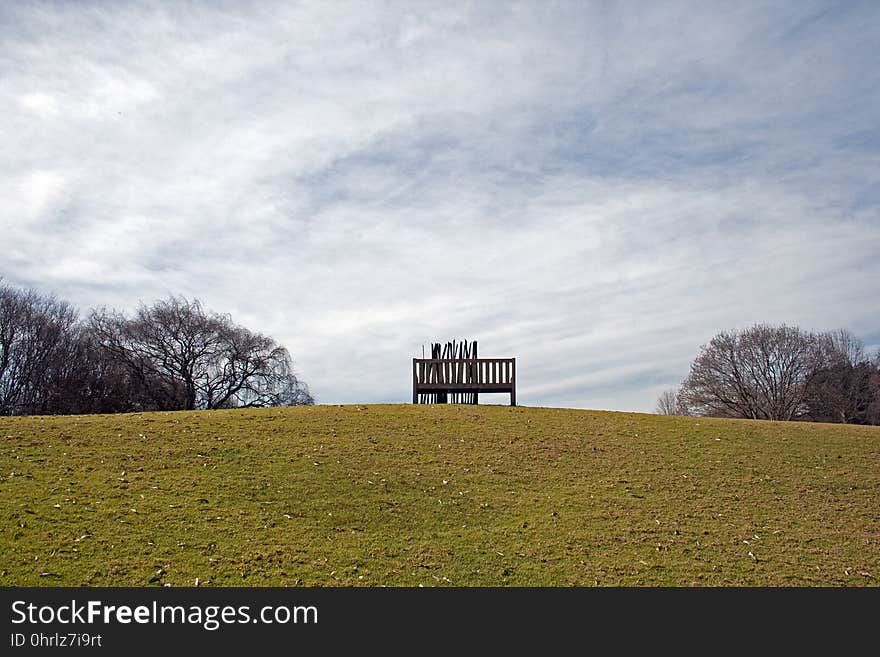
[[436, 495]]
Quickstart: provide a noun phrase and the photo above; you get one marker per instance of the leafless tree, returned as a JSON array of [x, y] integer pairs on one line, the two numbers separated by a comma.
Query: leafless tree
[[873, 413], [38, 341], [843, 345], [840, 388], [667, 403], [760, 372], [189, 358], [171, 355]]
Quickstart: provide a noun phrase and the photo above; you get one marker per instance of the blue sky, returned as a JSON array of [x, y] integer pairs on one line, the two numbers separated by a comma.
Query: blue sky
[[594, 188]]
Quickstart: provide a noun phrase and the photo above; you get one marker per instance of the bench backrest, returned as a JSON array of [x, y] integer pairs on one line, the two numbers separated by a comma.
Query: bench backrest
[[464, 372]]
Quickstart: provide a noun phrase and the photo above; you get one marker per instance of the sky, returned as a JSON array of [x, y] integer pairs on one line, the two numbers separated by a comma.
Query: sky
[[595, 189]]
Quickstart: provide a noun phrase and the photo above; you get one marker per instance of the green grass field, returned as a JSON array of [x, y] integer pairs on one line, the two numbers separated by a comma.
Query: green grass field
[[436, 495]]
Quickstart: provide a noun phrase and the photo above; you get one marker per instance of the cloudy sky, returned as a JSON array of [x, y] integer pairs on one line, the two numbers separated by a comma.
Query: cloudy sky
[[596, 189]]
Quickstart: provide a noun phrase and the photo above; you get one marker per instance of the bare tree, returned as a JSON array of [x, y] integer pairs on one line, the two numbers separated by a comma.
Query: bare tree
[[840, 388], [667, 403], [171, 355], [842, 346], [760, 372], [38, 341], [873, 413], [189, 358], [250, 370]]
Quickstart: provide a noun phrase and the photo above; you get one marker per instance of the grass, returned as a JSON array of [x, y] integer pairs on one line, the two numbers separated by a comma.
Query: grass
[[435, 495]]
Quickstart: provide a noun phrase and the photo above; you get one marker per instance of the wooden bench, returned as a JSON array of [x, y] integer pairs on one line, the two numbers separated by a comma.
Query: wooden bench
[[434, 379]]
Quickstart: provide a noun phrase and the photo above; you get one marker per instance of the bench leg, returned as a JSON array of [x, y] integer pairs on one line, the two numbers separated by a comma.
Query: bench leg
[[512, 397]]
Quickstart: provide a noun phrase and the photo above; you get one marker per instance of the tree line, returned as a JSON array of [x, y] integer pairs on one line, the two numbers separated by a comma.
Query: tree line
[[780, 372], [171, 355]]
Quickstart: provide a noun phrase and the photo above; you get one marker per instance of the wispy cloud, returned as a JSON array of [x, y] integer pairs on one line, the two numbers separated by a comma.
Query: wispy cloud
[[596, 189]]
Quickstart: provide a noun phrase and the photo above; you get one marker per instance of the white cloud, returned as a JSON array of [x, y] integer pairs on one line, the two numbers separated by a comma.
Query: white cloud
[[596, 190]]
